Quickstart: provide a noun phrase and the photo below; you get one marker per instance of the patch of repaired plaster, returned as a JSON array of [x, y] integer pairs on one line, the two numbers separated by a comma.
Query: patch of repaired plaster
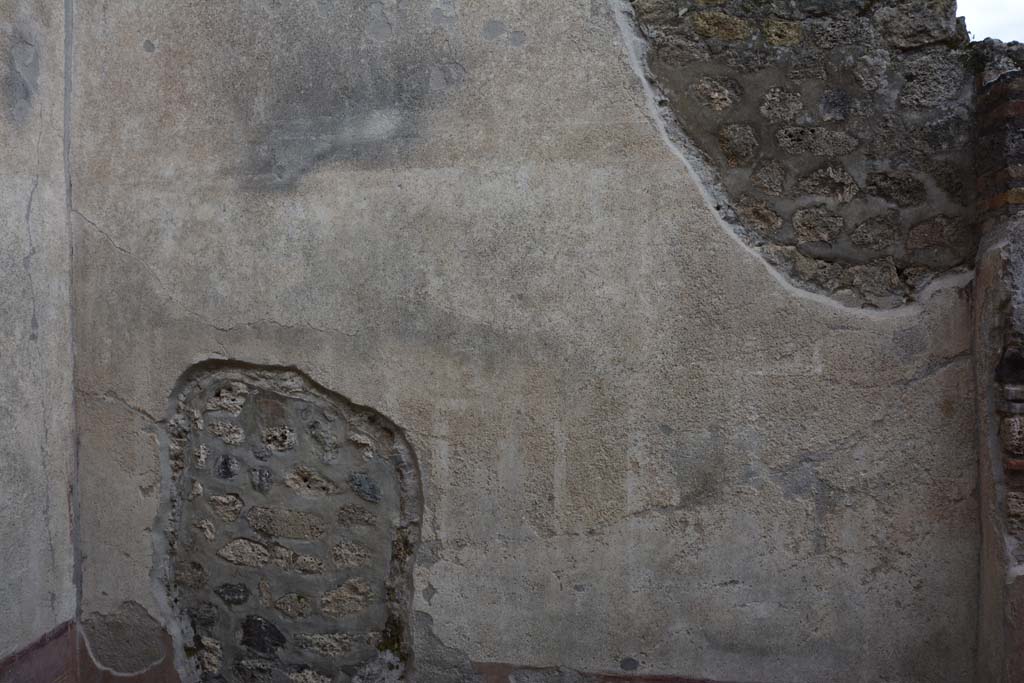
[[126, 641]]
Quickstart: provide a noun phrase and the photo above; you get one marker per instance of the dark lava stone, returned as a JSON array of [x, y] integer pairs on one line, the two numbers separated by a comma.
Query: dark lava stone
[[364, 487], [204, 614], [227, 467], [262, 479], [261, 635], [254, 671], [233, 593]]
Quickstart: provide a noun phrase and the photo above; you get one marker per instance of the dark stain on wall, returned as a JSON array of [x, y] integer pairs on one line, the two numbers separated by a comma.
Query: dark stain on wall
[[839, 133], [21, 81], [337, 82], [295, 518]]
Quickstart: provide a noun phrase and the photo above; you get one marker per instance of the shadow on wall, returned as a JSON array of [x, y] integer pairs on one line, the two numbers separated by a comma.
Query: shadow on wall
[[336, 82]]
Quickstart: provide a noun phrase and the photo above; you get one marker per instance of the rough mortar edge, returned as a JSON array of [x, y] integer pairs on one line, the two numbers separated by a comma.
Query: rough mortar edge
[[117, 674], [160, 571], [635, 46]]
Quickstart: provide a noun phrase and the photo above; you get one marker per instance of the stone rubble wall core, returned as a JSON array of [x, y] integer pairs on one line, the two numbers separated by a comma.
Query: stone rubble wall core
[[838, 133], [293, 517]]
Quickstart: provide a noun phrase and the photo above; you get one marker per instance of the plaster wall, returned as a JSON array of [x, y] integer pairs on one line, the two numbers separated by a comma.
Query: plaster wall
[[642, 451], [36, 558]]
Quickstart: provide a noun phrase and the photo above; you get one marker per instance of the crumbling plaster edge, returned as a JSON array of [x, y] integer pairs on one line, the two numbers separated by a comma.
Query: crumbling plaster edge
[[160, 573], [635, 47]]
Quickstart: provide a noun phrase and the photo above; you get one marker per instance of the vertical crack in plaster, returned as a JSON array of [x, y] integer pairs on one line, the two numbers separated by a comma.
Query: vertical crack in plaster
[[40, 362]]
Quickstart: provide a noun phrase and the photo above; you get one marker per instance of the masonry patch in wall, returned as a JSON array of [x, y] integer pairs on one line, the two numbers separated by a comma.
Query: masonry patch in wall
[[837, 135], [293, 519]]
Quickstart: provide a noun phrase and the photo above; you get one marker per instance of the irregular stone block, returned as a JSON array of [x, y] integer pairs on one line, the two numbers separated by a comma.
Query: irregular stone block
[[204, 614], [722, 26], [285, 523], [266, 596], [913, 23], [229, 398], [770, 177], [262, 479], [365, 487], [190, 574], [830, 181], [757, 215], [815, 141], [1011, 432], [108, 635], [308, 676], [227, 466], [900, 188], [350, 598], [254, 671], [347, 554], [279, 438], [932, 79], [354, 515], [206, 528], [320, 432], [307, 482], [227, 507], [261, 635], [244, 552], [778, 32], [1015, 513], [327, 644], [877, 232], [715, 93], [817, 224], [738, 143], [781, 104], [210, 655], [233, 593], [294, 605], [835, 105], [201, 456], [229, 433]]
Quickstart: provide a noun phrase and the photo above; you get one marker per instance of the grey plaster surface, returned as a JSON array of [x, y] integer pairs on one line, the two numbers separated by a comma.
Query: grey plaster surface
[[36, 590], [637, 443]]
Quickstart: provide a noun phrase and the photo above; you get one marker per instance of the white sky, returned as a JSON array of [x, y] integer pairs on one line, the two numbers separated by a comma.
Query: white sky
[[1002, 19]]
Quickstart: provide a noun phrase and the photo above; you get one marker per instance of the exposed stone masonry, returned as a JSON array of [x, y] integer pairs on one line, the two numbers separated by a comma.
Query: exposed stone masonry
[[1001, 198], [838, 131], [294, 518], [999, 357]]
